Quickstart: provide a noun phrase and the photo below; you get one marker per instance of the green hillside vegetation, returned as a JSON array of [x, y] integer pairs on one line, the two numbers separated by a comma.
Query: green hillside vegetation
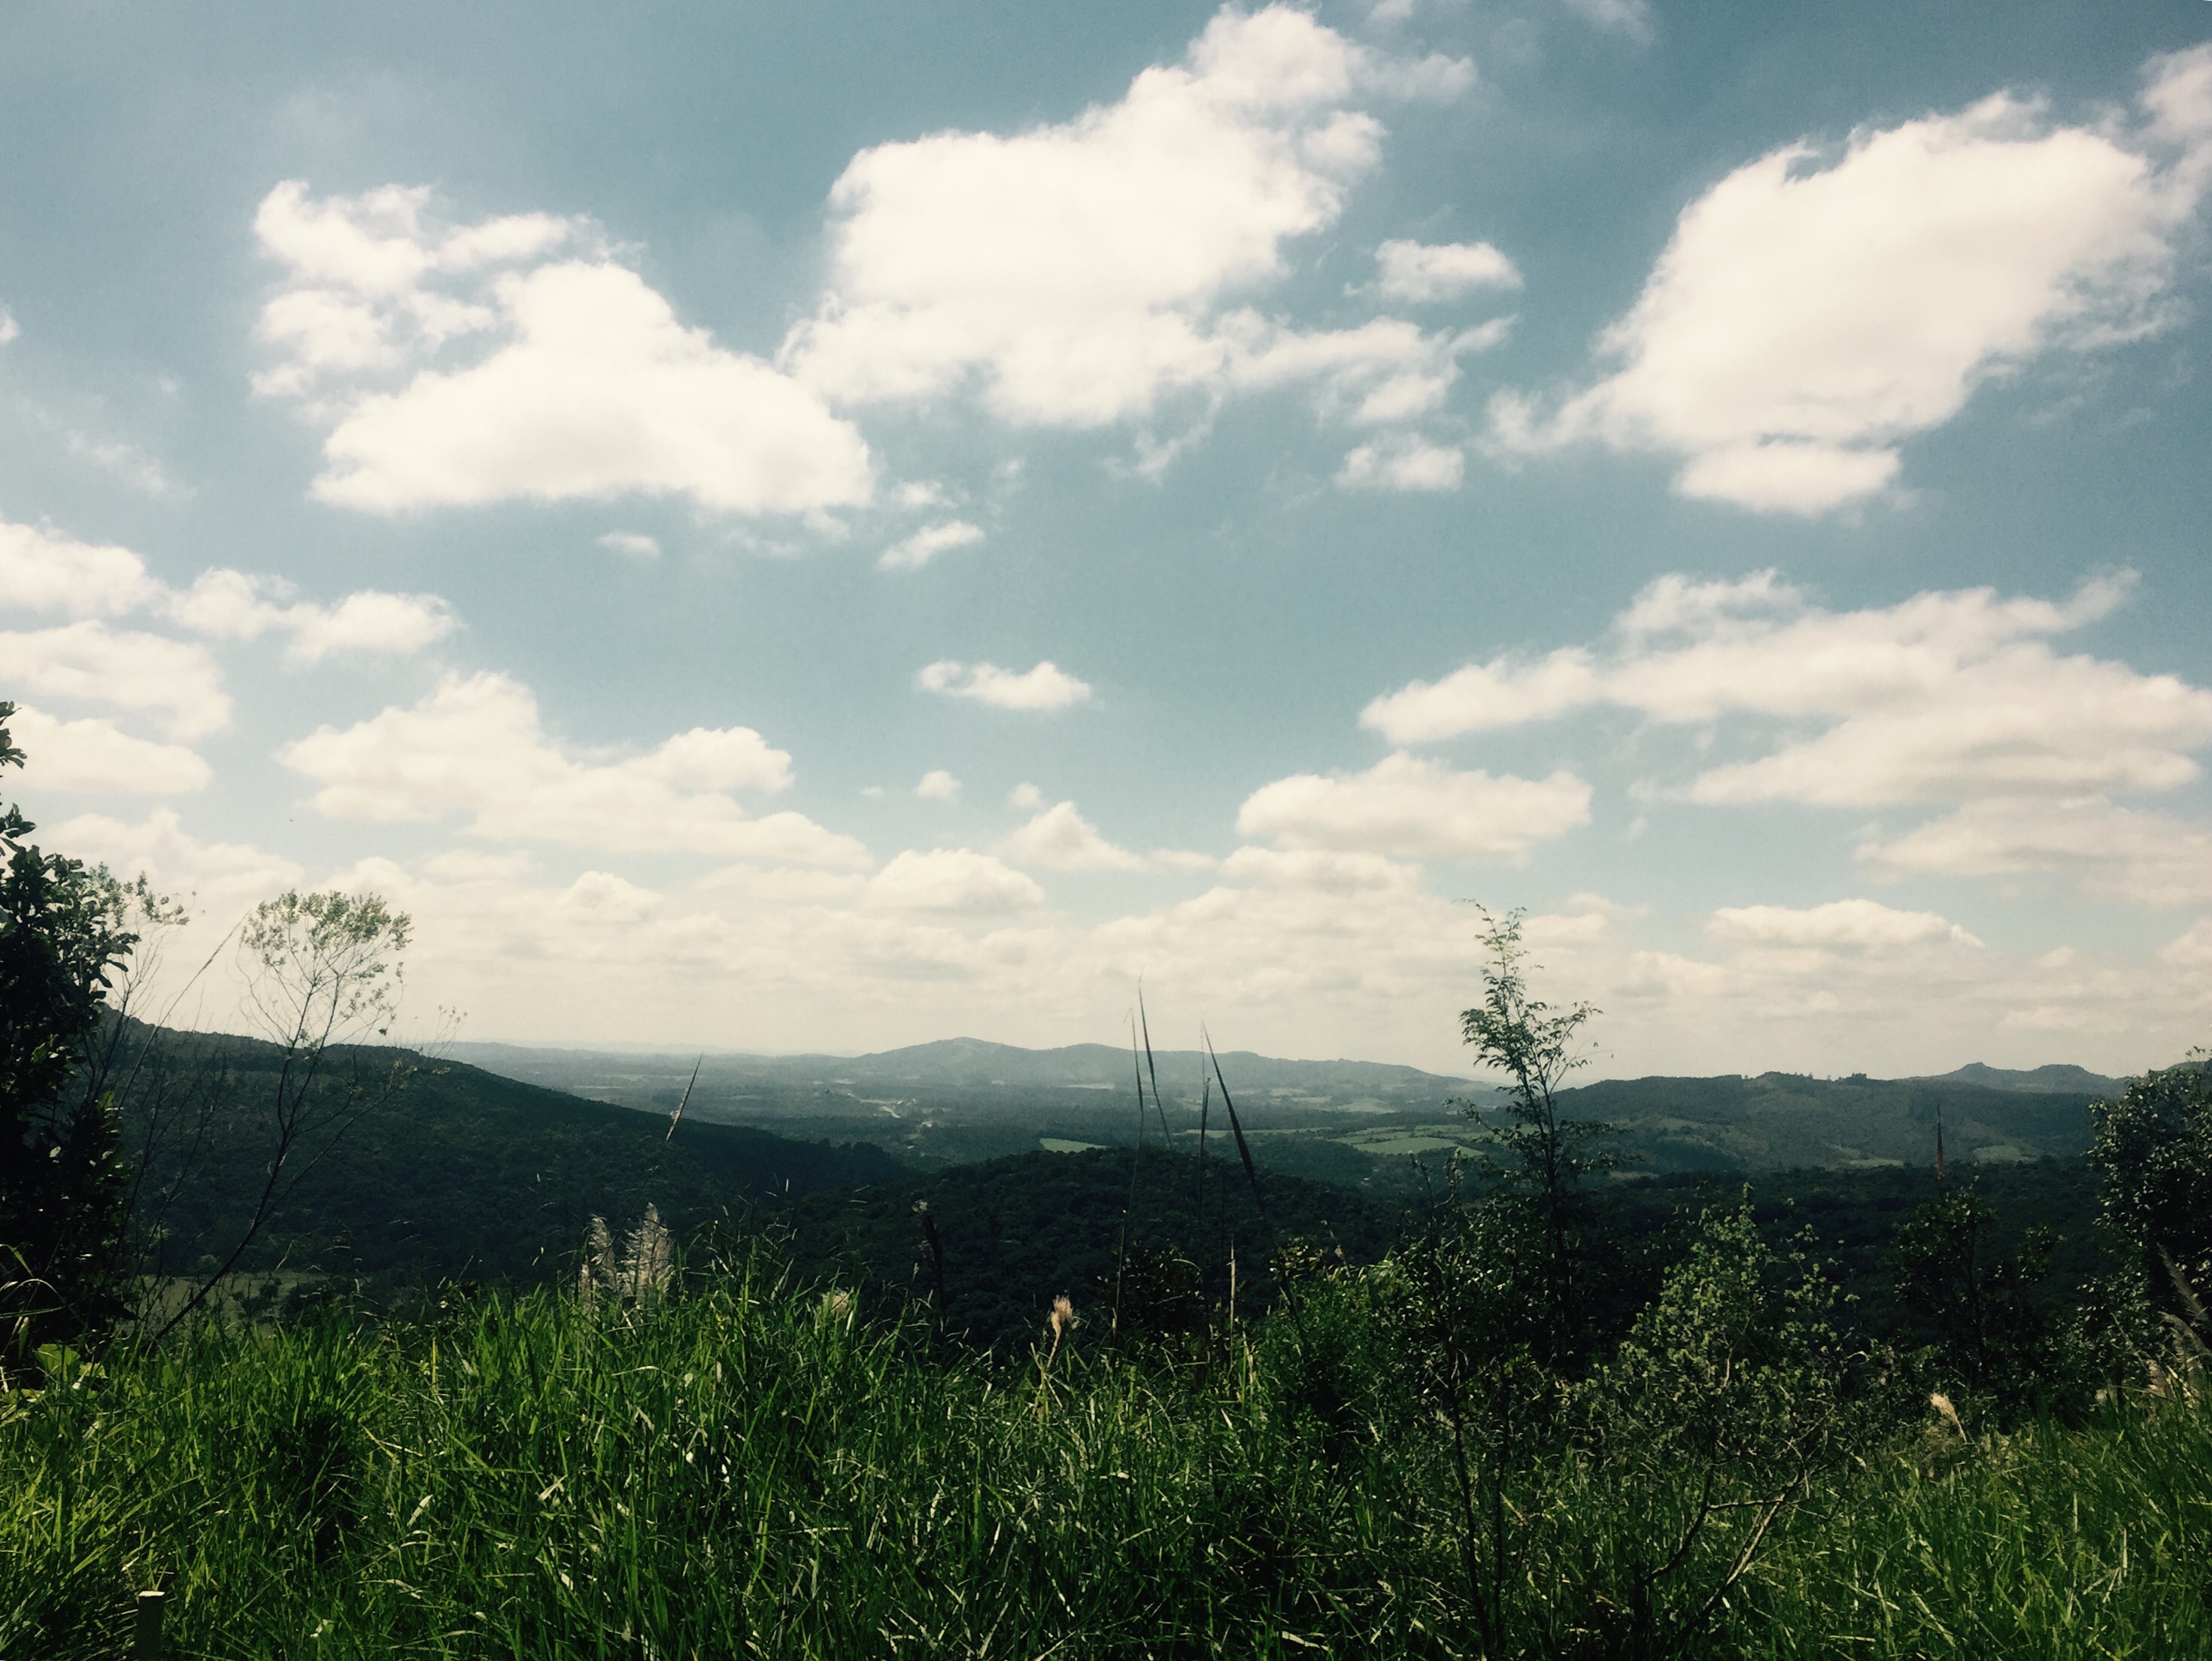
[[459, 1173], [1778, 1121], [1850, 1219], [464, 1175], [808, 1446], [1016, 1234]]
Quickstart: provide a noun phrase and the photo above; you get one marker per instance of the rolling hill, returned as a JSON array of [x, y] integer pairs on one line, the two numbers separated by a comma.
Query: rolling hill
[[463, 1172], [1356, 1123]]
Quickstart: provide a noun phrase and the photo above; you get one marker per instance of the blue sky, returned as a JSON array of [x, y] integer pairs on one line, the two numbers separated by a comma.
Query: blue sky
[[826, 528]]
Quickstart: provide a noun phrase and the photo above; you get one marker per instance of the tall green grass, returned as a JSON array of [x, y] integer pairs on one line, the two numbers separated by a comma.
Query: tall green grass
[[746, 1469], [2051, 1541]]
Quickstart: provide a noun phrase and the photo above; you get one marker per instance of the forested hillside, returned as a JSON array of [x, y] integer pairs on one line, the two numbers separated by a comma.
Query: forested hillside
[[456, 1172], [1016, 1232], [465, 1173]]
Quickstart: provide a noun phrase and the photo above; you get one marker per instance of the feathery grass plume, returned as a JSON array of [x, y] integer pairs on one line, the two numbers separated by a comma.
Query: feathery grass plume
[[1943, 1404], [1062, 1321], [2182, 1378], [648, 1262], [596, 1277]]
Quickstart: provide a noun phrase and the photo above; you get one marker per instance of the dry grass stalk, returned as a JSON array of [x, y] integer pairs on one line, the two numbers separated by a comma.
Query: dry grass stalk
[[1943, 1405]]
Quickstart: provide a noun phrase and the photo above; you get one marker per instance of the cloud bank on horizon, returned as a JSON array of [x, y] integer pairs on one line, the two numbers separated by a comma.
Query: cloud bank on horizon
[[1236, 442]]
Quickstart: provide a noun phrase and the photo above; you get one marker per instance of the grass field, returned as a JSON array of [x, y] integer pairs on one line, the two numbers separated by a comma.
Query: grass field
[[750, 1470]]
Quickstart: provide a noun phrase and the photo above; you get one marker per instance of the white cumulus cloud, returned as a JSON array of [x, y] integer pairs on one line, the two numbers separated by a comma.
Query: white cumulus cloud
[[517, 358], [217, 879], [1406, 464], [476, 746], [1077, 274], [1409, 806], [41, 570], [1948, 696], [954, 881], [229, 605], [1046, 687], [2144, 858], [1812, 311], [1630, 17], [1424, 272], [178, 683], [1061, 839], [912, 553], [94, 756], [1852, 925]]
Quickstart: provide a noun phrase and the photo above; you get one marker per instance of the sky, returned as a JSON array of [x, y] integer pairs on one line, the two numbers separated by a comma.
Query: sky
[[788, 528]]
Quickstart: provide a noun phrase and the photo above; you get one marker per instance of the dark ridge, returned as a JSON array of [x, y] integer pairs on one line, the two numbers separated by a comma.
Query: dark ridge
[[463, 1173], [2073, 1080]]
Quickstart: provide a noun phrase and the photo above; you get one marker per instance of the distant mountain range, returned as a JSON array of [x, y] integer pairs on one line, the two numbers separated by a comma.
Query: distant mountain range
[[977, 1061], [2055, 1078], [1358, 1122]]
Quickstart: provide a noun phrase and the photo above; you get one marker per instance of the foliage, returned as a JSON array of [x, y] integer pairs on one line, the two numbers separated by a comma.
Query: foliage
[[751, 1471], [1537, 1047], [1987, 1336], [1467, 1321], [1725, 1406], [322, 971], [1016, 1232], [64, 934], [2153, 1160], [462, 1174], [2045, 1541]]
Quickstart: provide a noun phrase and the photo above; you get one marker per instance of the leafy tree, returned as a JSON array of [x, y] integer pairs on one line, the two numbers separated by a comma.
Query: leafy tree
[[1731, 1396], [1986, 1334], [1481, 1317], [64, 1188], [1464, 1318], [2152, 1155], [323, 974], [1537, 1047]]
